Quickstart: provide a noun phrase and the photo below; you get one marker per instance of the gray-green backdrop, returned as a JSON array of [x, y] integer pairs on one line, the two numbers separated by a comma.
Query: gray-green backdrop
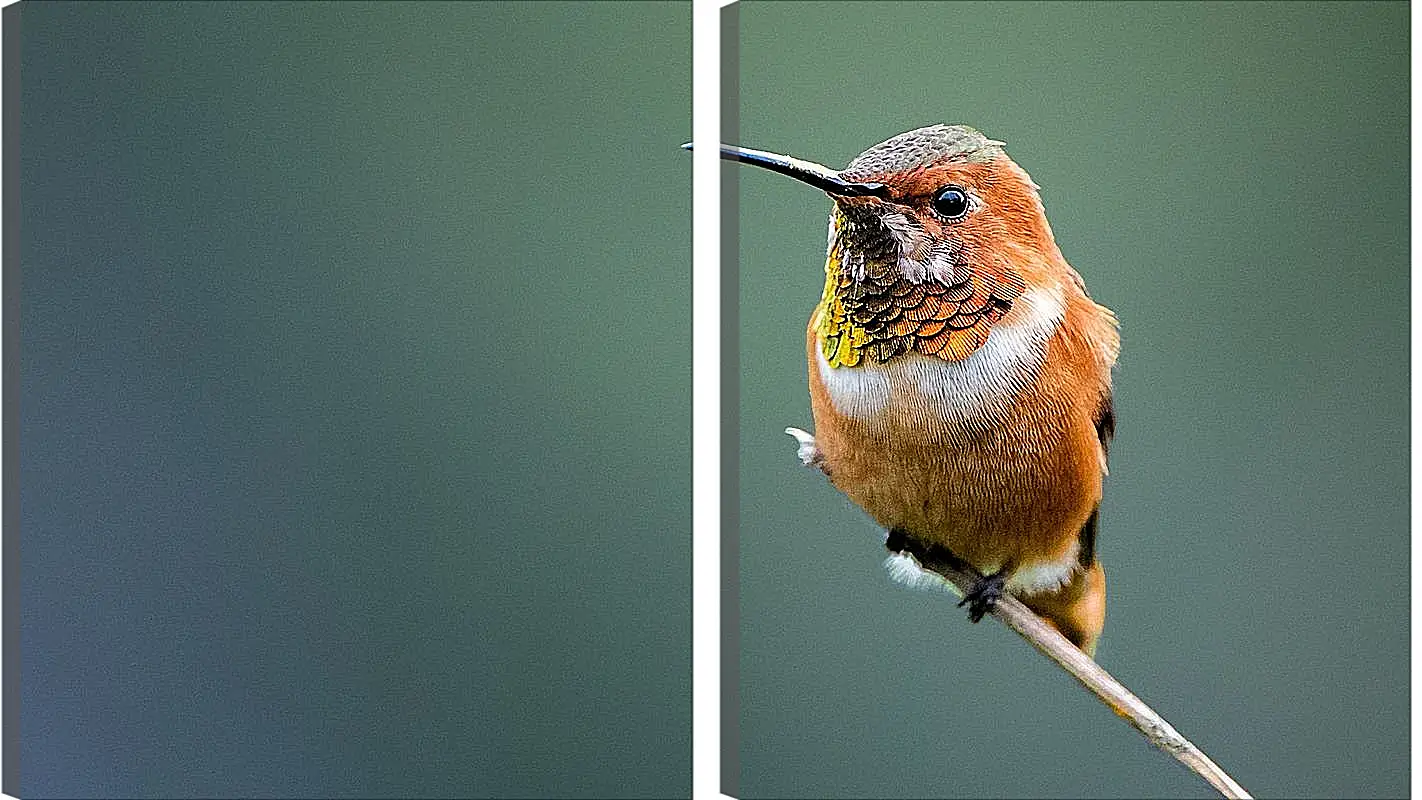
[[354, 418], [1232, 179]]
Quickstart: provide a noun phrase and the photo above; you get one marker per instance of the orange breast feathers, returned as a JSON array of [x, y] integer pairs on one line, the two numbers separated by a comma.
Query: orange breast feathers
[[993, 454]]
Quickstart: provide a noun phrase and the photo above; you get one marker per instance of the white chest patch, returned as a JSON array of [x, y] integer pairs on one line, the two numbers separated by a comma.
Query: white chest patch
[[981, 385]]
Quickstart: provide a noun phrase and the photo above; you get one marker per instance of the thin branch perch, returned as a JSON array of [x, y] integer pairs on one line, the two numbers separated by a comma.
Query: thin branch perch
[[1053, 645]]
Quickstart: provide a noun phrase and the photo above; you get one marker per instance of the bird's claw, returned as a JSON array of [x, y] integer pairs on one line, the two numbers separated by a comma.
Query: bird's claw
[[983, 595], [897, 540]]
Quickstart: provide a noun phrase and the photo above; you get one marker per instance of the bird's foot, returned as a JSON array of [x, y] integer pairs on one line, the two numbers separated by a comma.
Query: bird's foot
[[809, 454], [897, 540], [983, 595]]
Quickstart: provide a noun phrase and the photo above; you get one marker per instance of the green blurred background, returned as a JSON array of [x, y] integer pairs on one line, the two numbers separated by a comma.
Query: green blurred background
[[1233, 180], [355, 400]]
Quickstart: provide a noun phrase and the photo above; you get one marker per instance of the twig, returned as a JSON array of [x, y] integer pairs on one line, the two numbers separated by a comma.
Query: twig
[[1053, 645]]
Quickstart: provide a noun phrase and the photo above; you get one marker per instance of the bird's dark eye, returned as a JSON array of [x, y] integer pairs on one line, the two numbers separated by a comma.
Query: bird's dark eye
[[951, 202]]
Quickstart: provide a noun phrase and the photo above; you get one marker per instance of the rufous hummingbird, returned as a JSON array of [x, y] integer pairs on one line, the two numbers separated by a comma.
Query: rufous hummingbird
[[960, 375]]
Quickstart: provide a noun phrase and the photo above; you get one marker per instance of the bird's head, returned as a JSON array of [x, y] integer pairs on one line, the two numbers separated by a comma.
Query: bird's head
[[939, 213]]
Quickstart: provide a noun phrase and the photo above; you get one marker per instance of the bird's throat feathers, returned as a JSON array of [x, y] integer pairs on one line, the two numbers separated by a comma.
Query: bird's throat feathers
[[876, 308]]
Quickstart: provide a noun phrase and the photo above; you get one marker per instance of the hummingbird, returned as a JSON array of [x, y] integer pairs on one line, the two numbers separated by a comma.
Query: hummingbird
[[959, 373]]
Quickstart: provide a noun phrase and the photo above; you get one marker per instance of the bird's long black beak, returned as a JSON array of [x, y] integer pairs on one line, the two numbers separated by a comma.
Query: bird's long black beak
[[817, 175]]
